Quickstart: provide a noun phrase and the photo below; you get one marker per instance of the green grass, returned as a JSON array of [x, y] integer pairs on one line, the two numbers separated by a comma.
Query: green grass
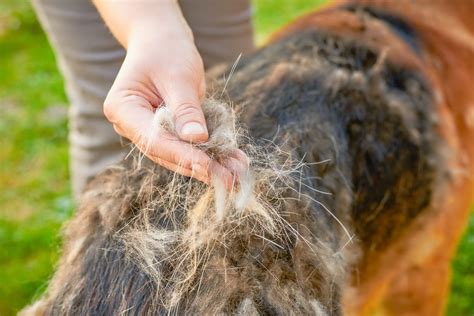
[[34, 181], [461, 301], [35, 197]]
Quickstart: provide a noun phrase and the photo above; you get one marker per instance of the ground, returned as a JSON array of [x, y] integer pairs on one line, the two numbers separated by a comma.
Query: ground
[[34, 178]]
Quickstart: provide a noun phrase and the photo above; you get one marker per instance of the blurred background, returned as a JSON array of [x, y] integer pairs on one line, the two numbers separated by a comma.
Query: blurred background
[[35, 197]]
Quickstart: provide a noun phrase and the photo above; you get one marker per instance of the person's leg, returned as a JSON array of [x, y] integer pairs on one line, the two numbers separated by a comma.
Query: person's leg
[[90, 57], [222, 28]]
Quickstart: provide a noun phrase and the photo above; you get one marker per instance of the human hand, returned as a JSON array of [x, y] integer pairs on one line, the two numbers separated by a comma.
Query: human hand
[[163, 67]]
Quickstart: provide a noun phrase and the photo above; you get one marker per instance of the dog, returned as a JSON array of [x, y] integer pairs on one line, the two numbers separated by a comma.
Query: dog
[[358, 120]]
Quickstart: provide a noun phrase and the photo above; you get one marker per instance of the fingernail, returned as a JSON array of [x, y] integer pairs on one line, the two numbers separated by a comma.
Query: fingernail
[[192, 128]]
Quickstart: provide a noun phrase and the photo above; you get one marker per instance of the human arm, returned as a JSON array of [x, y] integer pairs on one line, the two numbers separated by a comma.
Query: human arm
[[162, 66]]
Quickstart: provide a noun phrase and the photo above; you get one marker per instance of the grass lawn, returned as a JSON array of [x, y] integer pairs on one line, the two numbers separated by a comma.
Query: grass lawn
[[35, 197]]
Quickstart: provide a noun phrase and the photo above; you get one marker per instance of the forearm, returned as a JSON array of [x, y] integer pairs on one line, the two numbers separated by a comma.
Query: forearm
[[145, 21]]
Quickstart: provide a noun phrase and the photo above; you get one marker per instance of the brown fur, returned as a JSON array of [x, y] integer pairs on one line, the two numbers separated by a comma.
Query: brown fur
[[403, 280], [364, 100]]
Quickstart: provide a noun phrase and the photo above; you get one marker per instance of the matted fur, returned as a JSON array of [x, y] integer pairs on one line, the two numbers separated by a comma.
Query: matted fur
[[169, 228], [342, 141]]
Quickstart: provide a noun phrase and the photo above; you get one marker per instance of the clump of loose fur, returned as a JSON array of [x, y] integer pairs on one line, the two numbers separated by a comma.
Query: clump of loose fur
[[212, 215], [174, 229]]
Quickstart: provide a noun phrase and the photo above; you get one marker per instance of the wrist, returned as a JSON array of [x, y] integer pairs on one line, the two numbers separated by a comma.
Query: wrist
[[133, 22], [165, 25]]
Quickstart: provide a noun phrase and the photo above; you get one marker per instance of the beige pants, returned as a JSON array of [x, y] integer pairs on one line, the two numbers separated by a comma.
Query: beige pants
[[89, 58]]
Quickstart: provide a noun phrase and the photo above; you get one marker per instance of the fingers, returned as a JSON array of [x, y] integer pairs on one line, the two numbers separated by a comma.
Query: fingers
[[189, 119], [184, 158], [237, 163], [183, 90], [133, 118], [141, 86]]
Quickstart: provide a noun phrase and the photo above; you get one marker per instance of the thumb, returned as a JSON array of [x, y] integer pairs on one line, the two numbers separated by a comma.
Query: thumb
[[184, 101]]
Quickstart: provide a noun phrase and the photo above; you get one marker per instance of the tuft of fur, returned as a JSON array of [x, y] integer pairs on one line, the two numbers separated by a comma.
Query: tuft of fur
[[206, 217], [172, 228], [337, 137]]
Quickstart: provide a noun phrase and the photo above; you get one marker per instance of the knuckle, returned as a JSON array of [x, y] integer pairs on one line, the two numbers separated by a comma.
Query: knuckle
[[118, 130], [108, 110], [187, 109], [182, 162]]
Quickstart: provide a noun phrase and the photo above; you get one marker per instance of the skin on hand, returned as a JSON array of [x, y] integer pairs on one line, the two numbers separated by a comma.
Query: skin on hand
[[162, 66]]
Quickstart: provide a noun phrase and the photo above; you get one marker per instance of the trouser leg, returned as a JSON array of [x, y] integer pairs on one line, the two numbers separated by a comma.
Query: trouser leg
[[89, 58], [222, 28]]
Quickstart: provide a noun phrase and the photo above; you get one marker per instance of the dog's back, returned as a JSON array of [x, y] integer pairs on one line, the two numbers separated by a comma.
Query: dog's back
[[358, 133]]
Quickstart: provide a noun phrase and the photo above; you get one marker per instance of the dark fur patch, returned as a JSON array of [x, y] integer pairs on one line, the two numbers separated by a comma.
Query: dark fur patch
[[377, 124], [367, 129]]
